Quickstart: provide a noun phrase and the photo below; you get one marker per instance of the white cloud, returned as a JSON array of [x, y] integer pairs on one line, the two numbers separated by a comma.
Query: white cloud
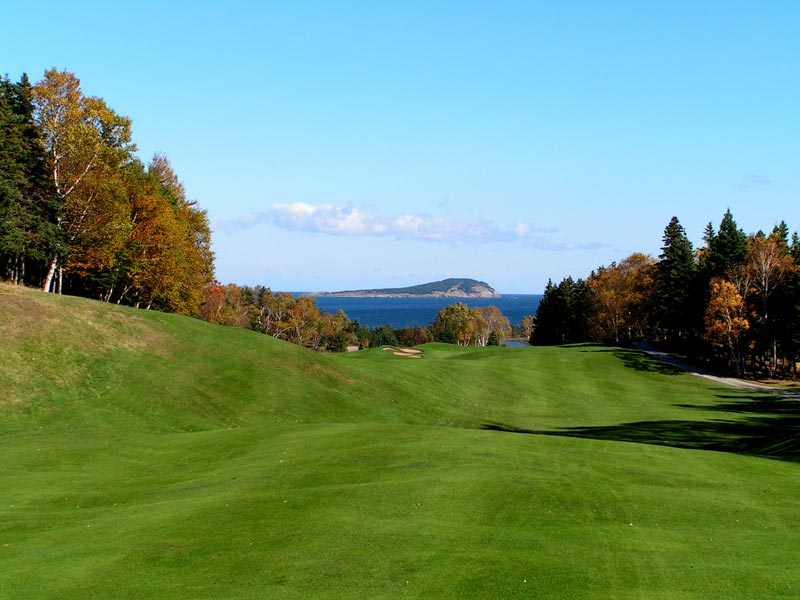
[[323, 218], [409, 225], [350, 221]]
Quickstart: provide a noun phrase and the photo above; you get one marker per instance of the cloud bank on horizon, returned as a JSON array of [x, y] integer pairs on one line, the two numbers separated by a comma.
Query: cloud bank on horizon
[[352, 221]]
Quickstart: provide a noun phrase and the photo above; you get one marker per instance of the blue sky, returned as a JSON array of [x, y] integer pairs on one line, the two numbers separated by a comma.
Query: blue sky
[[338, 145]]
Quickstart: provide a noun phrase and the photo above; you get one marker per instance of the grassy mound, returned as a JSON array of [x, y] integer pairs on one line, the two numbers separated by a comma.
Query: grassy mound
[[153, 456]]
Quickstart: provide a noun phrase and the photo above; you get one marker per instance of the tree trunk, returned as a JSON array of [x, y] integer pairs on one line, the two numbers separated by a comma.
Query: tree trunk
[[774, 357], [48, 280], [123, 294], [13, 270]]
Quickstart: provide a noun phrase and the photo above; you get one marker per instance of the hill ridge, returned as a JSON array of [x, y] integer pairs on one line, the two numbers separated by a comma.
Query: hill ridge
[[454, 287]]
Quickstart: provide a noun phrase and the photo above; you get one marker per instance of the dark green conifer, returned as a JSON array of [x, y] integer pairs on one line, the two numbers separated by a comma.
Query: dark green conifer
[[560, 316], [27, 204], [676, 271], [728, 248], [782, 231]]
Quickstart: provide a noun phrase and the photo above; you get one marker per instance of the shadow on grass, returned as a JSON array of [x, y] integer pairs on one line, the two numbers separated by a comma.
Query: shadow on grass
[[583, 345], [762, 404], [633, 359], [757, 424], [507, 428], [771, 429]]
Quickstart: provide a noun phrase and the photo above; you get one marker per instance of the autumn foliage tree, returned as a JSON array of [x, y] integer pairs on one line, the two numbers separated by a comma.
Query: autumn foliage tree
[[726, 321], [769, 263], [619, 301], [78, 212], [451, 324], [459, 324], [281, 315], [497, 323], [414, 336], [85, 142], [734, 302], [526, 326]]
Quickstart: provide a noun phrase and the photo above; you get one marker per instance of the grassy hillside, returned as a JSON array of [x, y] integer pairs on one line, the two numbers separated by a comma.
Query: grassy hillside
[[153, 456]]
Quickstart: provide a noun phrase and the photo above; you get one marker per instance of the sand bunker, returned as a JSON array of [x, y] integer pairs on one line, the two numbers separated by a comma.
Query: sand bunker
[[404, 352]]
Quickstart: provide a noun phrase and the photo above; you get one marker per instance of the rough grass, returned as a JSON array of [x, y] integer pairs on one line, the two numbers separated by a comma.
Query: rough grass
[[153, 456]]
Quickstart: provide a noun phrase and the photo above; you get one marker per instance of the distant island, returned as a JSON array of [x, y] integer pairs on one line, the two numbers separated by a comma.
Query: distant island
[[447, 288]]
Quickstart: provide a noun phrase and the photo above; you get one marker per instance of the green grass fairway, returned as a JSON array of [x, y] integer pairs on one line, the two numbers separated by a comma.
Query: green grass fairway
[[152, 456]]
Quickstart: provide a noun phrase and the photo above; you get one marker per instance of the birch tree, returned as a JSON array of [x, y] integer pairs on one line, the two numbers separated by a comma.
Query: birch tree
[[79, 134], [768, 263], [526, 326], [497, 323]]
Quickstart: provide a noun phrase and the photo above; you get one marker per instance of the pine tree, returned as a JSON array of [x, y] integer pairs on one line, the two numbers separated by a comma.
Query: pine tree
[[27, 229], [724, 254], [561, 314], [676, 271], [782, 231], [728, 248]]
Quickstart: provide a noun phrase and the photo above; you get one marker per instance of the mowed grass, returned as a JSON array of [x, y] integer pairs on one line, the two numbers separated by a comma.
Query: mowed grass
[[153, 456]]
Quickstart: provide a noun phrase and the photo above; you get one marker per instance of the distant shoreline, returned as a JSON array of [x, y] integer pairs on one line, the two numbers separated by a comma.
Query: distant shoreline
[[415, 311], [446, 288], [388, 295]]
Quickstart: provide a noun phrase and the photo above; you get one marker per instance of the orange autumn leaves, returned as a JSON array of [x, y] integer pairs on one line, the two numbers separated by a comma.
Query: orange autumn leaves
[[125, 232]]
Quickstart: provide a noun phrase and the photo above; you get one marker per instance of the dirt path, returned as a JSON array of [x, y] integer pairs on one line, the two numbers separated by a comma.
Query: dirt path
[[732, 381]]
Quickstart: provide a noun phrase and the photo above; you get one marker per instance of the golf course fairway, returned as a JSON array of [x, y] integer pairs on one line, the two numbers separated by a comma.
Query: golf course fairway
[[147, 455]]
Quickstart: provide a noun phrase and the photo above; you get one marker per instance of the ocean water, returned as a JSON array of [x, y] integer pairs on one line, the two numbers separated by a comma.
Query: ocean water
[[408, 312]]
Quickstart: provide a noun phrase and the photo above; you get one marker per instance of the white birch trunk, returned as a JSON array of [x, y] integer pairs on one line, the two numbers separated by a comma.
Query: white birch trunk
[[48, 281]]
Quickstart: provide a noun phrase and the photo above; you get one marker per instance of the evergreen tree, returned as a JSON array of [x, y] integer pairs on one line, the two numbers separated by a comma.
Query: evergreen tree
[[27, 217], [724, 254], [675, 272], [12, 177], [546, 317], [782, 231], [383, 336], [561, 315], [727, 249]]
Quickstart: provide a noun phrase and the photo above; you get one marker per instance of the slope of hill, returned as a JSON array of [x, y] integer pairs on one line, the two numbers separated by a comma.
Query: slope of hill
[[152, 456], [447, 288]]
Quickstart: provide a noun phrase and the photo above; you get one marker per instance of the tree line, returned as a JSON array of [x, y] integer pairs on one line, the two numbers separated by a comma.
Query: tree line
[[80, 214], [733, 304], [299, 320]]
